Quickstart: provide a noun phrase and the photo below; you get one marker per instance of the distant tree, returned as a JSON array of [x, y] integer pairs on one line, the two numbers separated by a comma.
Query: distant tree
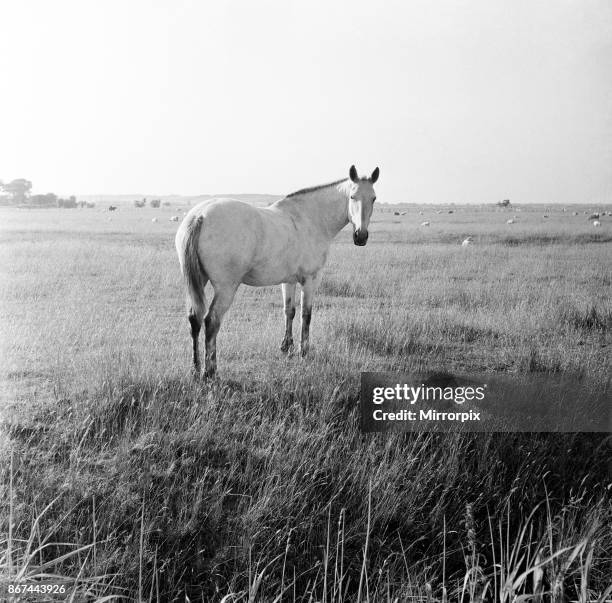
[[4, 199], [48, 200], [69, 203], [155, 203], [138, 203], [504, 203], [18, 189]]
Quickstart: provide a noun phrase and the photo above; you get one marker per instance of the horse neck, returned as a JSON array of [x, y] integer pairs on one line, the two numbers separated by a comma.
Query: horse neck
[[327, 208]]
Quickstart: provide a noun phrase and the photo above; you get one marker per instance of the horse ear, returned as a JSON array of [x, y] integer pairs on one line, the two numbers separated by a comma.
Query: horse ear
[[374, 176], [353, 174]]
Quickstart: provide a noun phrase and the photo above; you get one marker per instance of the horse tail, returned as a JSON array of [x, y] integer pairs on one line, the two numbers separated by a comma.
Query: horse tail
[[193, 271]]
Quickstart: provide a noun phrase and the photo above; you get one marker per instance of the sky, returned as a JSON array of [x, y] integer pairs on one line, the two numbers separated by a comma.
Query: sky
[[456, 101]]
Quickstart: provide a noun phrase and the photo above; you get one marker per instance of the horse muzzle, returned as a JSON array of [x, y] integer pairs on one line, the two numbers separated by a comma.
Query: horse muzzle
[[360, 237]]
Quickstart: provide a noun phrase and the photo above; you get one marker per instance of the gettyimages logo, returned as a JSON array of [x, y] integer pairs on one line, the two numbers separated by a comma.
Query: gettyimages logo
[[403, 402], [426, 393], [484, 403]]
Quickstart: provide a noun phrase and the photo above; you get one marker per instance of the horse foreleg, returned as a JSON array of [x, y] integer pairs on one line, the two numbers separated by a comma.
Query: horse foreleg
[[224, 296], [289, 307], [308, 288]]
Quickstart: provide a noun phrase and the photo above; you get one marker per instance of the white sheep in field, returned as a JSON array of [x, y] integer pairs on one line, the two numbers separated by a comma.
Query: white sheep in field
[[174, 219], [467, 242], [426, 223], [596, 223], [154, 220], [510, 221]]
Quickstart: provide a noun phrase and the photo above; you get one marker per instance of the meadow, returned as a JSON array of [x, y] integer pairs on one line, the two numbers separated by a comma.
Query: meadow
[[127, 479]]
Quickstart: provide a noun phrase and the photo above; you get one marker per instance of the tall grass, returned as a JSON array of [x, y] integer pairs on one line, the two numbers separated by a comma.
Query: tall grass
[[207, 490]]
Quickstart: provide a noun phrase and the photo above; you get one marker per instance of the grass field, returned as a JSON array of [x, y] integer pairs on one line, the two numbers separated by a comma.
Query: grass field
[[259, 485]]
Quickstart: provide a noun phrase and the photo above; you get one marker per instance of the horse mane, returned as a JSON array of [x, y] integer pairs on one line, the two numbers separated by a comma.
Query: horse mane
[[312, 189]]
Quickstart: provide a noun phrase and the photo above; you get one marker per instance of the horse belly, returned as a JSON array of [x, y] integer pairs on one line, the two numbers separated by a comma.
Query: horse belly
[[289, 265], [272, 272]]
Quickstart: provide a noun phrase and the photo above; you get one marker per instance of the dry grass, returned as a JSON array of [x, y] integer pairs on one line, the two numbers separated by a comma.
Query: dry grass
[[259, 486]]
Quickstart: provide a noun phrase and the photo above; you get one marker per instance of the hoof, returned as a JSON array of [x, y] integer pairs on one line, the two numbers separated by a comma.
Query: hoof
[[286, 346]]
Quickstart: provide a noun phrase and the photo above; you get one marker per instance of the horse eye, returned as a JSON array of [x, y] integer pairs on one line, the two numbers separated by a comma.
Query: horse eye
[[374, 199], [353, 197]]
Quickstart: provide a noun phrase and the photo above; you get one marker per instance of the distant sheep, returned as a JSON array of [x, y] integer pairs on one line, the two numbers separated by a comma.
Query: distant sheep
[[596, 223], [403, 213], [545, 216], [426, 223], [467, 242], [112, 207], [574, 213], [594, 216], [174, 219], [154, 220], [510, 221], [396, 213]]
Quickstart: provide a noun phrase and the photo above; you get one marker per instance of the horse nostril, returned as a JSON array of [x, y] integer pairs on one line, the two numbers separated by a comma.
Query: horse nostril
[[359, 237]]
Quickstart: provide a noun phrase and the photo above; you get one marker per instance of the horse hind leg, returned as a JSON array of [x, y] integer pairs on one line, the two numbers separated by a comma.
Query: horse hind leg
[[222, 300], [195, 317]]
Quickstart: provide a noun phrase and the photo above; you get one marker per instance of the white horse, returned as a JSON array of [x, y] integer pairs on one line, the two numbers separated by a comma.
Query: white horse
[[228, 242]]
